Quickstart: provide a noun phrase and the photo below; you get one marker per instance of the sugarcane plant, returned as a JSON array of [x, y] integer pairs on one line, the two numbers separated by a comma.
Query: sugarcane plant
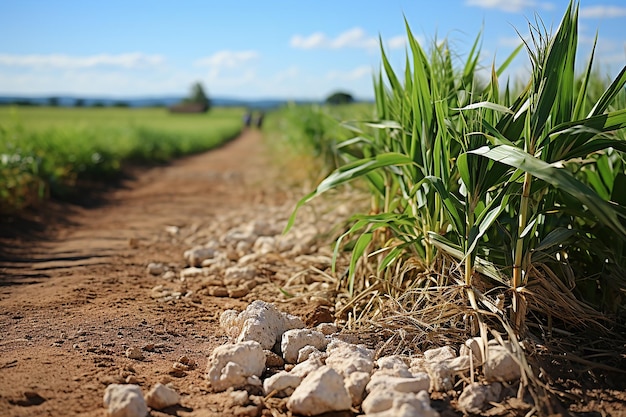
[[519, 187]]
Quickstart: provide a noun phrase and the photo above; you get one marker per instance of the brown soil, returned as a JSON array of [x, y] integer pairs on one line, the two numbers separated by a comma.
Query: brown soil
[[75, 294]]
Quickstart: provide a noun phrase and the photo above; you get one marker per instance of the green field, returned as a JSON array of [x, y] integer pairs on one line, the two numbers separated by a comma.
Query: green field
[[49, 150]]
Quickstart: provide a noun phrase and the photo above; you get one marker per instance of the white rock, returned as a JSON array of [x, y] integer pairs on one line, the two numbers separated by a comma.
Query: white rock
[[321, 391], [261, 322], [169, 275], [439, 354], [284, 243], [248, 259], [475, 347], [383, 381], [134, 353], [218, 263], [327, 328], [442, 366], [264, 245], [239, 397], [229, 321], [346, 358], [234, 236], [304, 368], [234, 365], [172, 230], [196, 255], [460, 364], [356, 383], [191, 272], [393, 365], [124, 401], [475, 397], [234, 274], [283, 382], [500, 364], [383, 403], [161, 396], [441, 377], [155, 268], [243, 248], [309, 351], [295, 339]]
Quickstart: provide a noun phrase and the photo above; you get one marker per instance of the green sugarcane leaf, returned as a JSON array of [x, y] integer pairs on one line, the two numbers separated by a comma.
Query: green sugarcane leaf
[[509, 59], [394, 253], [359, 249], [606, 171], [481, 265], [609, 94], [555, 238], [383, 124], [487, 105], [582, 91], [451, 203], [619, 189], [486, 219], [559, 178], [595, 181], [579, 138]]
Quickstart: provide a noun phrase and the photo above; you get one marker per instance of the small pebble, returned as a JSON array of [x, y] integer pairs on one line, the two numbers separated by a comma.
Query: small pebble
[[134, 353]]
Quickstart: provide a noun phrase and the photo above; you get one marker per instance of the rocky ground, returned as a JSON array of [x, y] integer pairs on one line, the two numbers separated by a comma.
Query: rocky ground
[[152, 298]]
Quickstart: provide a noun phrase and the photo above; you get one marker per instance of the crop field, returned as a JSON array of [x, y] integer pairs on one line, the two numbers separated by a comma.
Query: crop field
[[48, 150], [493, 210], [309, 138]]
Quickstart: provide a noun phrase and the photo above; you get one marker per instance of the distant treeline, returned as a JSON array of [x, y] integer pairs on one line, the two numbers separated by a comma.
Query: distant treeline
[[82, 102], [152, 102]]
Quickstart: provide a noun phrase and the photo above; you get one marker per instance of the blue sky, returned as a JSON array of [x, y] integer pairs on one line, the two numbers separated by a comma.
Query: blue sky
[[255, 49]]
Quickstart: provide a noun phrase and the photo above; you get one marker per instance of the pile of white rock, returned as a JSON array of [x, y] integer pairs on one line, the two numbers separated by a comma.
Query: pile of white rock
[[229, 266], [274, 352], [127, 400]]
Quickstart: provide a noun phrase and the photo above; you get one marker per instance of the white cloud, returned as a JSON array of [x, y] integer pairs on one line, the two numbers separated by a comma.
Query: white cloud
[[355, 74], [598, 12], [230, 68], [352, 38], [120, 83], [316, 40], [510, 6], [58, 61], [397, 42], [227, 59], [512, 41]]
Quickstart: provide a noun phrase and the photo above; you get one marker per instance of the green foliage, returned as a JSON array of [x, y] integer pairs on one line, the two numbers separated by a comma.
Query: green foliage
[[340, 97], [198, 96], [313, 130], [48, 151], [524, 190]]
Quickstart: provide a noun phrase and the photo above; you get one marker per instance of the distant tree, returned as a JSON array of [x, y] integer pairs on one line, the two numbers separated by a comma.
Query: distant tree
[[339, 97], [120, 103], [53, 101], [79, 102], [23, 102], [97, 104], [198, 97]]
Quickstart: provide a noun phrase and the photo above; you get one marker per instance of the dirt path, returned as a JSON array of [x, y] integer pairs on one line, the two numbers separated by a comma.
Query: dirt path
[[70, 305]]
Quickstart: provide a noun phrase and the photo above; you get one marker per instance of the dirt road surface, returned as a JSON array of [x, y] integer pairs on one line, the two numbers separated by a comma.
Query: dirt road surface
[[74, 298]]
